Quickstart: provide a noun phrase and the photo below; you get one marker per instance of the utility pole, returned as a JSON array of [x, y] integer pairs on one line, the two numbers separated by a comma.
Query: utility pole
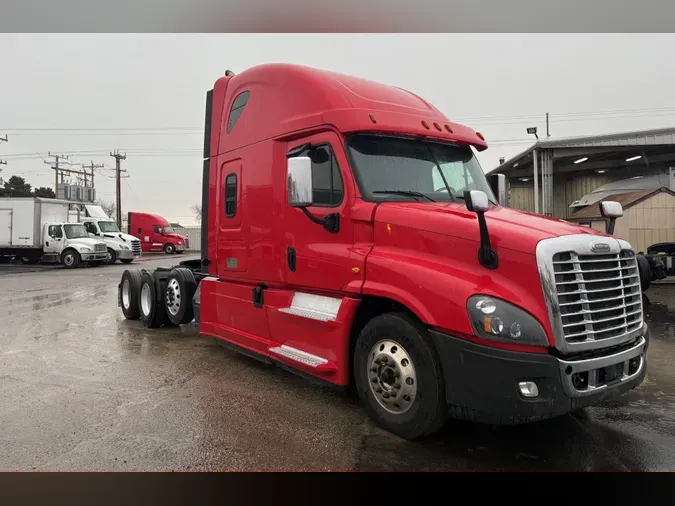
[[92, 166], [3, 162], [57, 170], [118, 183], [548, 134]]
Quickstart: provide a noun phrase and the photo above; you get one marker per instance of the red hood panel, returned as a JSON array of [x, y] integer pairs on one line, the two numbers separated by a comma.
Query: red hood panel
[[509, 228]]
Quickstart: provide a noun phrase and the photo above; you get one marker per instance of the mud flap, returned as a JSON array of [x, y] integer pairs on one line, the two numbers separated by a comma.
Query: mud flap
[[119, 295]]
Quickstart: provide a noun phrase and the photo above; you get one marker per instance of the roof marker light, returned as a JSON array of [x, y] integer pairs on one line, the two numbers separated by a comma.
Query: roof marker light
[[580, 160], [438, 127], [447, 127], [480, 136], [632, 158], [372, 118], [425, 124]]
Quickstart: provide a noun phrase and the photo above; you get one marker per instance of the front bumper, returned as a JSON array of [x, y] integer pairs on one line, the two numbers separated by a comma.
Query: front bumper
[[180, 247], [94, 257], [482, 382], [125, 254]]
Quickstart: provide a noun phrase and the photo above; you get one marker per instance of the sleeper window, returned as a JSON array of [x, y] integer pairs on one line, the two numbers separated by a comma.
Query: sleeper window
[[231, 195], [236, 110]]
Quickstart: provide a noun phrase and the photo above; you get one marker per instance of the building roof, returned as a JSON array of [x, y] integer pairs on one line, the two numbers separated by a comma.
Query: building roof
[[598, 144], [627, 200]]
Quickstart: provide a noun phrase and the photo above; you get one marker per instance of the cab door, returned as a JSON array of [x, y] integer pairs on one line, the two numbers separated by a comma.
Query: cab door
[[53, 239], [317, 259]]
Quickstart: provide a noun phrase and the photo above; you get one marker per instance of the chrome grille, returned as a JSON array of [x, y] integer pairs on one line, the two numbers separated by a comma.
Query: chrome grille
[[599, 296], [136, 247], [100, 247]]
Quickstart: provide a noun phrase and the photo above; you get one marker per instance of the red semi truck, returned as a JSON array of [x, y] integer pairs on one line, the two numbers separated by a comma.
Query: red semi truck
[[350, 235], [156, 234]]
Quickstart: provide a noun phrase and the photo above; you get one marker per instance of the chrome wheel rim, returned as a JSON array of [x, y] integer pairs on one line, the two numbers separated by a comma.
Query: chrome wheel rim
[[173, 297], [146, 299], [391, 376], [69, 259], [126, 294], [108, 257]]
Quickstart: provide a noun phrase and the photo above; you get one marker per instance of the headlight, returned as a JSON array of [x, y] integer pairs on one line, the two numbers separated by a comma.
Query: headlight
[[85, 249], [498, 320]]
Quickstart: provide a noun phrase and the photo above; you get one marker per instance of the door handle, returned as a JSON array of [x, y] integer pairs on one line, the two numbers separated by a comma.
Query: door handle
[[290, 257]]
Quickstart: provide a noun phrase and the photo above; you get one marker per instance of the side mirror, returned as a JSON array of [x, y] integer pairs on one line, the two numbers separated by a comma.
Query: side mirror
[[476, 201], [300, 189], [498, 184], [611, 210]]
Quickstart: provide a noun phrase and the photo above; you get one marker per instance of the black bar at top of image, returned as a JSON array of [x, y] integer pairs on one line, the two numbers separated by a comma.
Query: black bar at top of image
[[211, 16], [198, 488]]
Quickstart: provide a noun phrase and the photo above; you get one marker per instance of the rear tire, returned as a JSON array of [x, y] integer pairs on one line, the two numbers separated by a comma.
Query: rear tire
[[30, 260], [70, 259], [394, 354], [153, 314], [131, 289], [180, 288], [112, 256], [169, 249]]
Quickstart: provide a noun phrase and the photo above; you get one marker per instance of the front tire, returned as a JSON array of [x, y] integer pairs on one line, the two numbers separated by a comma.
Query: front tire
[[169, 249], [112, 256], [153, 315], [127, 260], [398, 376], [70, 259]]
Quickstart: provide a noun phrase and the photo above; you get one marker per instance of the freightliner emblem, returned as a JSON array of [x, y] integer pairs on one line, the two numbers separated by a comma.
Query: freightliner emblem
[[600, 247]]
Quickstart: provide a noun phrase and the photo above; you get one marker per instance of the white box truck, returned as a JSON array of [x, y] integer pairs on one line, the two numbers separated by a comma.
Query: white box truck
[[38, 230]]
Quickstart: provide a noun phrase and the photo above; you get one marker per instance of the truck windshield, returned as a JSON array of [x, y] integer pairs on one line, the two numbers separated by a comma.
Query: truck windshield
[[74, 231], [390, 168], [169, 230], [108, 226]]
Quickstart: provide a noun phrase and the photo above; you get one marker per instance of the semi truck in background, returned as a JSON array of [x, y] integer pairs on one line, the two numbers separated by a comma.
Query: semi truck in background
[[349, 235], [39, 230], [156, 234], [120, 246]]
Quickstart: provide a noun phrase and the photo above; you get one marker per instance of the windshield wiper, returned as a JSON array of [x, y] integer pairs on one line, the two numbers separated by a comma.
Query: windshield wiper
[[406, 192]]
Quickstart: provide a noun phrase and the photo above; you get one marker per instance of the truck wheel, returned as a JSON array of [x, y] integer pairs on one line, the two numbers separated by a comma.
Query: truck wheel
[[112, 256], [645, 272], [30, 260], [4, 259], [152, 314], [398, 376], [180, 288], [169, 249], [130, 292], [127, 260], [70, 259]]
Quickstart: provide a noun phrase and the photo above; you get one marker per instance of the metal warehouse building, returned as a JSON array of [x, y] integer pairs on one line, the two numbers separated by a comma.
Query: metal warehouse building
[[567, 178]]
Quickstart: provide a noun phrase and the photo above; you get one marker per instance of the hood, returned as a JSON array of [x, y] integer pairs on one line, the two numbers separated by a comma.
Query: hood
[[87, 241], [177, 236], [508, 228], [119, 236]]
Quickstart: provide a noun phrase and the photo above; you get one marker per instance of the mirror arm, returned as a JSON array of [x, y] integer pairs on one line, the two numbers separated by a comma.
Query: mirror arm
[[330, 222], [486, 255], [610, 226]]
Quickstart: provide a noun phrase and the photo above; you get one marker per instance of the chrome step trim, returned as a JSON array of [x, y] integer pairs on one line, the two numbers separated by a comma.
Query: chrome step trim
[[314, 307], [298, 355]]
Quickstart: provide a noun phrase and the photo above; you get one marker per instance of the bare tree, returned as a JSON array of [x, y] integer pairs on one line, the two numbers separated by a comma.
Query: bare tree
[[197, 209], [109, 208]]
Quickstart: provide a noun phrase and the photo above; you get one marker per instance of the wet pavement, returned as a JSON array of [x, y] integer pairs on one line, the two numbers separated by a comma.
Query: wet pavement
[[83, 389]]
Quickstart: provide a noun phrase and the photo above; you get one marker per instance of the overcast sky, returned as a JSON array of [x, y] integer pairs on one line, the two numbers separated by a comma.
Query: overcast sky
[[144, 94]]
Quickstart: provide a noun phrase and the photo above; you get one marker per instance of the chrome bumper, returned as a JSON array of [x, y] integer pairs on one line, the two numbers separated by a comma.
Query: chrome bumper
[[125, 254], [604, 373], [94, 257]]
